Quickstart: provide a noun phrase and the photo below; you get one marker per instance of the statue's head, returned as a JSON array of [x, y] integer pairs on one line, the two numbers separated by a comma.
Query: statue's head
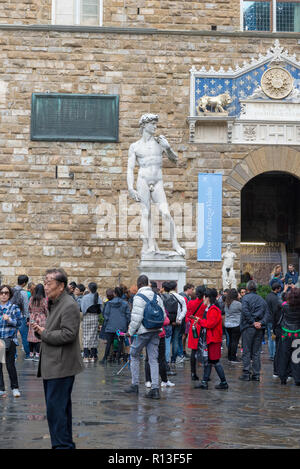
[[146, 118]]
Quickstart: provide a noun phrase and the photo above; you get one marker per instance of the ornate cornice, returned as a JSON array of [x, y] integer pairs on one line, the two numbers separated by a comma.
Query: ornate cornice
[[276, 55]]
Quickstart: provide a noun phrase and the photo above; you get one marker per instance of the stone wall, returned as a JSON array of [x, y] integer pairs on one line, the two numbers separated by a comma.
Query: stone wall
[[25, 11], [175, 14], [163, 14], [49, 221]]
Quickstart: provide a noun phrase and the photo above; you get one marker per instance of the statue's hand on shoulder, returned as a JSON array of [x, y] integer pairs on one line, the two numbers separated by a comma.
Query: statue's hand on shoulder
[[163, 142], [134, 195]]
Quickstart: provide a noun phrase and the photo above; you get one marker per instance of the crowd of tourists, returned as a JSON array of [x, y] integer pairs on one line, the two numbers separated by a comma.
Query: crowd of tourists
[[60, 325], [195, 324]]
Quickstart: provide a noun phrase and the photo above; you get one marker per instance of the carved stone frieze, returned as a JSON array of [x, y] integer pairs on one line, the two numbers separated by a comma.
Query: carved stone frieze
[[277, 83], [249, 133]]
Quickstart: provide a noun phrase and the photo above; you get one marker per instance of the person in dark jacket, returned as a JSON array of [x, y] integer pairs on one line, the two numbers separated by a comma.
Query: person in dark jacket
[[117, 317], [289, 343], [254, 318], [233, 310], [110, 294], [291, 277], [274, 305]]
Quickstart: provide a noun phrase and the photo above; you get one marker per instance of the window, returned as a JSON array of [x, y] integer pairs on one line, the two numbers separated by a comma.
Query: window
[[288, 16], [270, 15], [81, 12]]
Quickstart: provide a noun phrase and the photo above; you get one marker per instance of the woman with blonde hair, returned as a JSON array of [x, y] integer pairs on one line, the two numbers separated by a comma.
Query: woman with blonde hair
[[277, 272], [277, 276]]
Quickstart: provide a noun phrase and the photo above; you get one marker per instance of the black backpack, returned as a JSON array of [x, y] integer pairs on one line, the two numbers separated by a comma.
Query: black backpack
[[171, 305], [153, 313], [17, 299]]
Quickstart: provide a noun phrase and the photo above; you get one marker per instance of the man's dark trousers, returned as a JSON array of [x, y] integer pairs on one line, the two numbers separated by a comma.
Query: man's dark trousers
[[59, 411], [251, 341]]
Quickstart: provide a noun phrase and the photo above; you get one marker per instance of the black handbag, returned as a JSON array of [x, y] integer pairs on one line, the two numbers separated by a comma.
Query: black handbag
[[202, 351], [7, 342]]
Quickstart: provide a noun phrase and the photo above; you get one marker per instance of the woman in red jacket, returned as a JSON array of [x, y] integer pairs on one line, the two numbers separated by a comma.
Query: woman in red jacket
[[195, 308], [212, 323]]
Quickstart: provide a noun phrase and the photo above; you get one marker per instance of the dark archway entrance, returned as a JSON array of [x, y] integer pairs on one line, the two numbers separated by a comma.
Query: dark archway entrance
[[270, 224]]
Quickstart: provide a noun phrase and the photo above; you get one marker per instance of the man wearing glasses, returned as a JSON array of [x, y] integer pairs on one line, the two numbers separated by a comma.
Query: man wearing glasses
[[60, 358]]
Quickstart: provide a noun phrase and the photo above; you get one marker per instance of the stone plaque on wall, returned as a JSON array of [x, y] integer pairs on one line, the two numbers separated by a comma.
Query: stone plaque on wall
[[74, 117]]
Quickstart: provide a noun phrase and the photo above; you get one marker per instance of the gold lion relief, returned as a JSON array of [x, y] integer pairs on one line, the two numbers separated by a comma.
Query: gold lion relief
[[216, 103]]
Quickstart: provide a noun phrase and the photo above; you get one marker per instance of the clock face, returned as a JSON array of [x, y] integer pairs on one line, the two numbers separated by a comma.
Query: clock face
[[277, 83]]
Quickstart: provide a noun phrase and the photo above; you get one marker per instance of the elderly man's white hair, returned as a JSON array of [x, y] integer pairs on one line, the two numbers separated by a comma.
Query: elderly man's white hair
[[147, 118]]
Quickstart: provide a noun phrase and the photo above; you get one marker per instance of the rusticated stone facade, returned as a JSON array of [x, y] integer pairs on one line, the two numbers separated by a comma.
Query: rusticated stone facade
[[162, 14], [49, 218], [178, 14], [25, 11]]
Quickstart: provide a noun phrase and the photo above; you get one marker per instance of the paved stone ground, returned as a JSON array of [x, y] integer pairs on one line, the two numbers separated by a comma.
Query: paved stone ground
[[248, 415]]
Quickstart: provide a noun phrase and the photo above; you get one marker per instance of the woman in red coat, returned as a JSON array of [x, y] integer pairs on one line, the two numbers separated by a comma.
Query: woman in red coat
[[212, 323], [195, 308]]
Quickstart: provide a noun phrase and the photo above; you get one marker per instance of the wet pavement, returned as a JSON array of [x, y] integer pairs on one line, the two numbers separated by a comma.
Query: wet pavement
[[248, 415]]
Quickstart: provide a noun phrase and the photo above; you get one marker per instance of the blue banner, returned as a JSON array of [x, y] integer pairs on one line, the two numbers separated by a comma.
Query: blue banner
[[209, 223]]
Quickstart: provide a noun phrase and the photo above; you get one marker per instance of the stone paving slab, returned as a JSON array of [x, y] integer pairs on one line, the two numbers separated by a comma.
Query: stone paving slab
[[248, 415]]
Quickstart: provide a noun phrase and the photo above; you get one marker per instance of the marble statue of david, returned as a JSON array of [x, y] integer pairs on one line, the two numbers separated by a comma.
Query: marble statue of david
[[147, 153]]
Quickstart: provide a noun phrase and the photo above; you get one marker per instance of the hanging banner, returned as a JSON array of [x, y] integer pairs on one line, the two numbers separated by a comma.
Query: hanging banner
[[209, 226]]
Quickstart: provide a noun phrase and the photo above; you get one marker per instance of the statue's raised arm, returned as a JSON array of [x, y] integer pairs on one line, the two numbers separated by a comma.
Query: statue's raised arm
[[166, 147]]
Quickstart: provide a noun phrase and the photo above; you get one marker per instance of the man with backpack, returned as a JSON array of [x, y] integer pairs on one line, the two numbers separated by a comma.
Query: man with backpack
[[20, 298], [176, 308], [147, 318]]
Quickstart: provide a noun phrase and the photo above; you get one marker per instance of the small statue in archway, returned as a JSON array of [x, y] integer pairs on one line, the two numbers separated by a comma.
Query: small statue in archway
[[228, 272]]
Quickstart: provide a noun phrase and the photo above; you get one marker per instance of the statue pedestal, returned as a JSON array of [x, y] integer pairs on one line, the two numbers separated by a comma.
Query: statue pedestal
[[164, 265]]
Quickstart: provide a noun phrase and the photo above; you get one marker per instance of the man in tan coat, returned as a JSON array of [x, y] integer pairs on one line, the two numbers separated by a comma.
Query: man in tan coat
[[60, 358]]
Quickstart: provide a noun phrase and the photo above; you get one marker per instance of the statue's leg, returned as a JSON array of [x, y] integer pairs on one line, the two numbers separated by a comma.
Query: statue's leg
[[159, 197], [146, 228], [224, 279], [233, 282]]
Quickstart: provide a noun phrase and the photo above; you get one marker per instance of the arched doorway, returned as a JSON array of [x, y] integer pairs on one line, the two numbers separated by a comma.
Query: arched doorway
[[270, 223]]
